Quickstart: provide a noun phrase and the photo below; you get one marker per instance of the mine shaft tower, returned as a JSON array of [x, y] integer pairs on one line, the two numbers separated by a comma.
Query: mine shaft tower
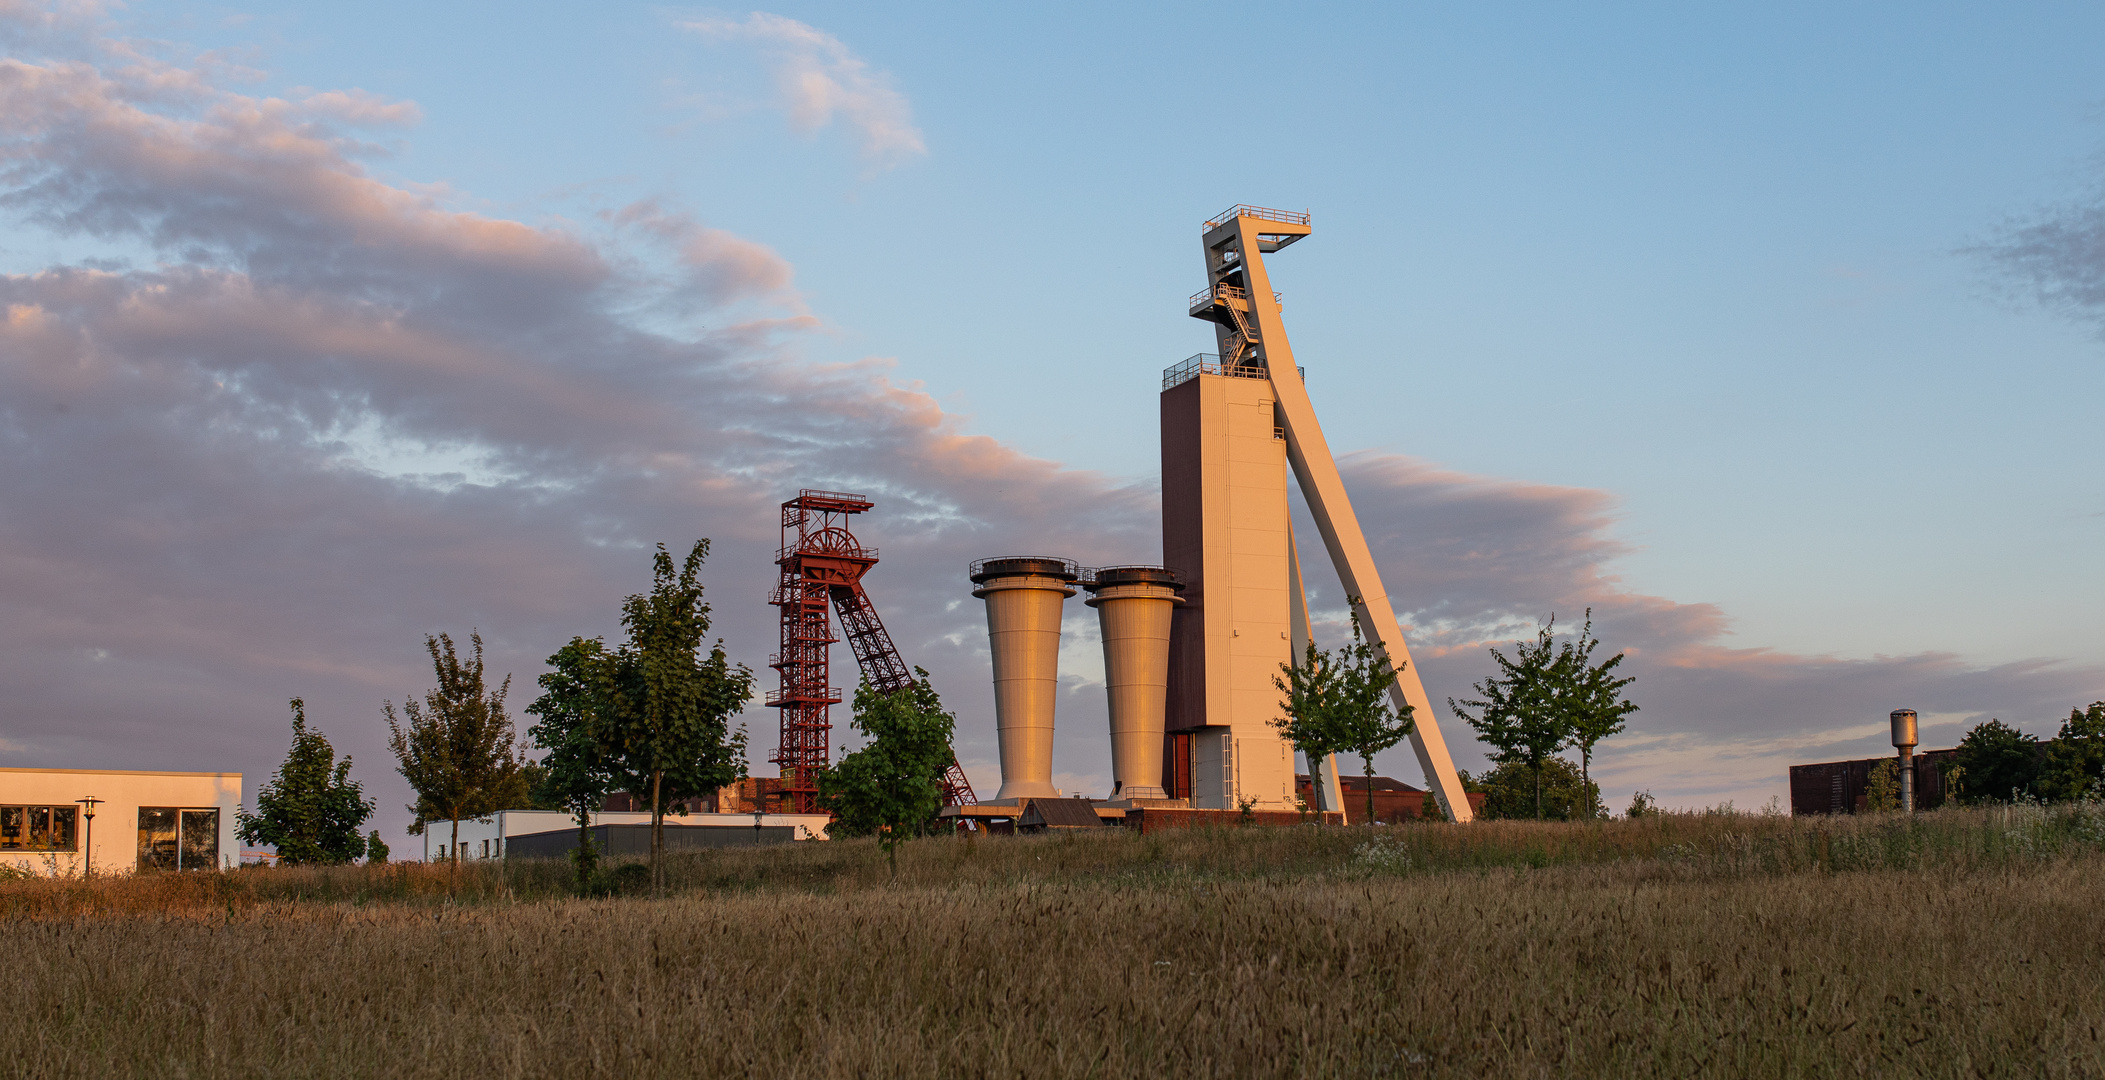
[[1227, 420], [822, 565]]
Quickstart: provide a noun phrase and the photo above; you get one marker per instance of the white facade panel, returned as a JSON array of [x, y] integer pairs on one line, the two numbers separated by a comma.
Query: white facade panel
[[172, 820], [483, 838]]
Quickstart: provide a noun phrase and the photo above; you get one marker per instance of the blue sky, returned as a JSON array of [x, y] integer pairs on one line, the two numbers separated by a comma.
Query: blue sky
[[1731, 292], [1708, 262]]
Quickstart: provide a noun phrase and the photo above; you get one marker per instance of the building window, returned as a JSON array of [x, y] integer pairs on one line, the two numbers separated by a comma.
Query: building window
[[172, 838], [38, 828]]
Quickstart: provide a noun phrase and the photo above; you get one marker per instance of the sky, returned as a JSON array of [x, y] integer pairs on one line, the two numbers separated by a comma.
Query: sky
[[1770, 336]]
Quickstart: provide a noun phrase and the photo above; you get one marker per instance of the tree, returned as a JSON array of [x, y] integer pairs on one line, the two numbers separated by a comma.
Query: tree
[[1996, 762], [661, 718], [893, 786], [312, 810], [375, 849], [1595, 702], [1309, 719], [455, 749], [1523, 712], [574, 776], [2075, 760], [1882, 787], [1346, 704], [1555, 793]]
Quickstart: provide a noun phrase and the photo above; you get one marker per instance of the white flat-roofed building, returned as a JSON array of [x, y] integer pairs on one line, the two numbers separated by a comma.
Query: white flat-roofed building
[[490, 837], [142, 820]]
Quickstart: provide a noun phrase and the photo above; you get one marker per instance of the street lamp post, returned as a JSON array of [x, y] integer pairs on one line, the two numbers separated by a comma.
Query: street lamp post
[[88, 805]]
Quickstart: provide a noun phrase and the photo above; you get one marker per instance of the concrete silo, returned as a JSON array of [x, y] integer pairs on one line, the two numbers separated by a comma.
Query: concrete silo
[[1025, 595], [1133, 605]]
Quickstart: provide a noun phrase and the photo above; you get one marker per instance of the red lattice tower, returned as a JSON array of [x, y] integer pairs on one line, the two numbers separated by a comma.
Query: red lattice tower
[[821, 562]]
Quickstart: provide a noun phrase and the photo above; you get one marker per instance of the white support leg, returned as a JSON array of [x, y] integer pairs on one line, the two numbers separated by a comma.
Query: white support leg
[[1324, 488]]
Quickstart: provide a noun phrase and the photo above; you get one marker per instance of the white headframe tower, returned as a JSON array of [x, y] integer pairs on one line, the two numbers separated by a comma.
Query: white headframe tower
[[1232, 427]]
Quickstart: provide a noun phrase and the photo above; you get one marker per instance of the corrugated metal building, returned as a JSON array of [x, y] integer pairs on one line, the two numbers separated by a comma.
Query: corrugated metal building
[[1843, 787]]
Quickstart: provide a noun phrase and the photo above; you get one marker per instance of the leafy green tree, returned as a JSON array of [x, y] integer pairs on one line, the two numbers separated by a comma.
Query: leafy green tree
[[574, 777], [312, 810], [1596, 707], [375, 849], [455, 748], [1997, 762], [1641, 805], [893, 786], [2075, 760], [1355, 711], [1309, 710], [661, 718], [1523, 711], [1882, 787], [1555, 792]]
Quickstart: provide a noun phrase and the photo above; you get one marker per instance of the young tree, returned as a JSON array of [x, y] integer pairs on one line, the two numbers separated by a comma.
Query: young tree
[[1309, 719], [1356, 710], [375, 849], [575, 777], [455, 749], [1997, 762], [2075, 761], [1882, 787], [1595, 704], [1524, 710], [662, 726], [893, 786], [311, 811]]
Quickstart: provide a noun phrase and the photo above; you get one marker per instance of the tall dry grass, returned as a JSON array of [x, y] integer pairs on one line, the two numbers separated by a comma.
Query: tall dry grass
[[1959, 944]]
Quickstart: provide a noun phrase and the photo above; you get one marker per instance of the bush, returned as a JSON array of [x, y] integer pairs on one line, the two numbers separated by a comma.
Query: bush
[[1996, 763], [1882, 793], [1565, 797], [2075, 761]]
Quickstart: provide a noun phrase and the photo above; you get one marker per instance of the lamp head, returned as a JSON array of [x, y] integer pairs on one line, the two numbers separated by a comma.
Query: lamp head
[[88, 805]]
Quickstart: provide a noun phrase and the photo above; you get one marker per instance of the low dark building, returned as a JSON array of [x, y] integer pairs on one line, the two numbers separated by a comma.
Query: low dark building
[[636, 839], [1843, 787], [1394, 800], [1041, 815]]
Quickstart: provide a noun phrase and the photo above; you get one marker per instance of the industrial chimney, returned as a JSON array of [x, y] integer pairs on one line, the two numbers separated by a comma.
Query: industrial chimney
[[1133, 605], [1904, 740], [1024, 594]]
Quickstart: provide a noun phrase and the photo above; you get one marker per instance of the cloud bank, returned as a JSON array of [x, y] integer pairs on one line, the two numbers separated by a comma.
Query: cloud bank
[[323, 415]]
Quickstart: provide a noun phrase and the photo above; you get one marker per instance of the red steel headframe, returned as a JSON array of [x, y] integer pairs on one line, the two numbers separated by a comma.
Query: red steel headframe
[[822, 562]]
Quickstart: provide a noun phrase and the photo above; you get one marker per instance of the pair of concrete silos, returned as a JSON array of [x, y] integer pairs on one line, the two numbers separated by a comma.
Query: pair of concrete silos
[[1025, 597]]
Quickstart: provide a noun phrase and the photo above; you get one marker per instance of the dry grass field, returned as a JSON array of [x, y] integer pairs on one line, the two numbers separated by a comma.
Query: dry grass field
[[1958, 943]]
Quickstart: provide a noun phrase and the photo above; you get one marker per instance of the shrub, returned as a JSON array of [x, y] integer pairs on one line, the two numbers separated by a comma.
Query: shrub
[[1882, 795], [1565, 796], [1997, 763]]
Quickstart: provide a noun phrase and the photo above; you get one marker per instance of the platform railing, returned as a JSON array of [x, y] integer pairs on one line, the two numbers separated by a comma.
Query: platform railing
[[1262, 213], [1073, 569], [1207, 363], [830, 696], [1206, 298]]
